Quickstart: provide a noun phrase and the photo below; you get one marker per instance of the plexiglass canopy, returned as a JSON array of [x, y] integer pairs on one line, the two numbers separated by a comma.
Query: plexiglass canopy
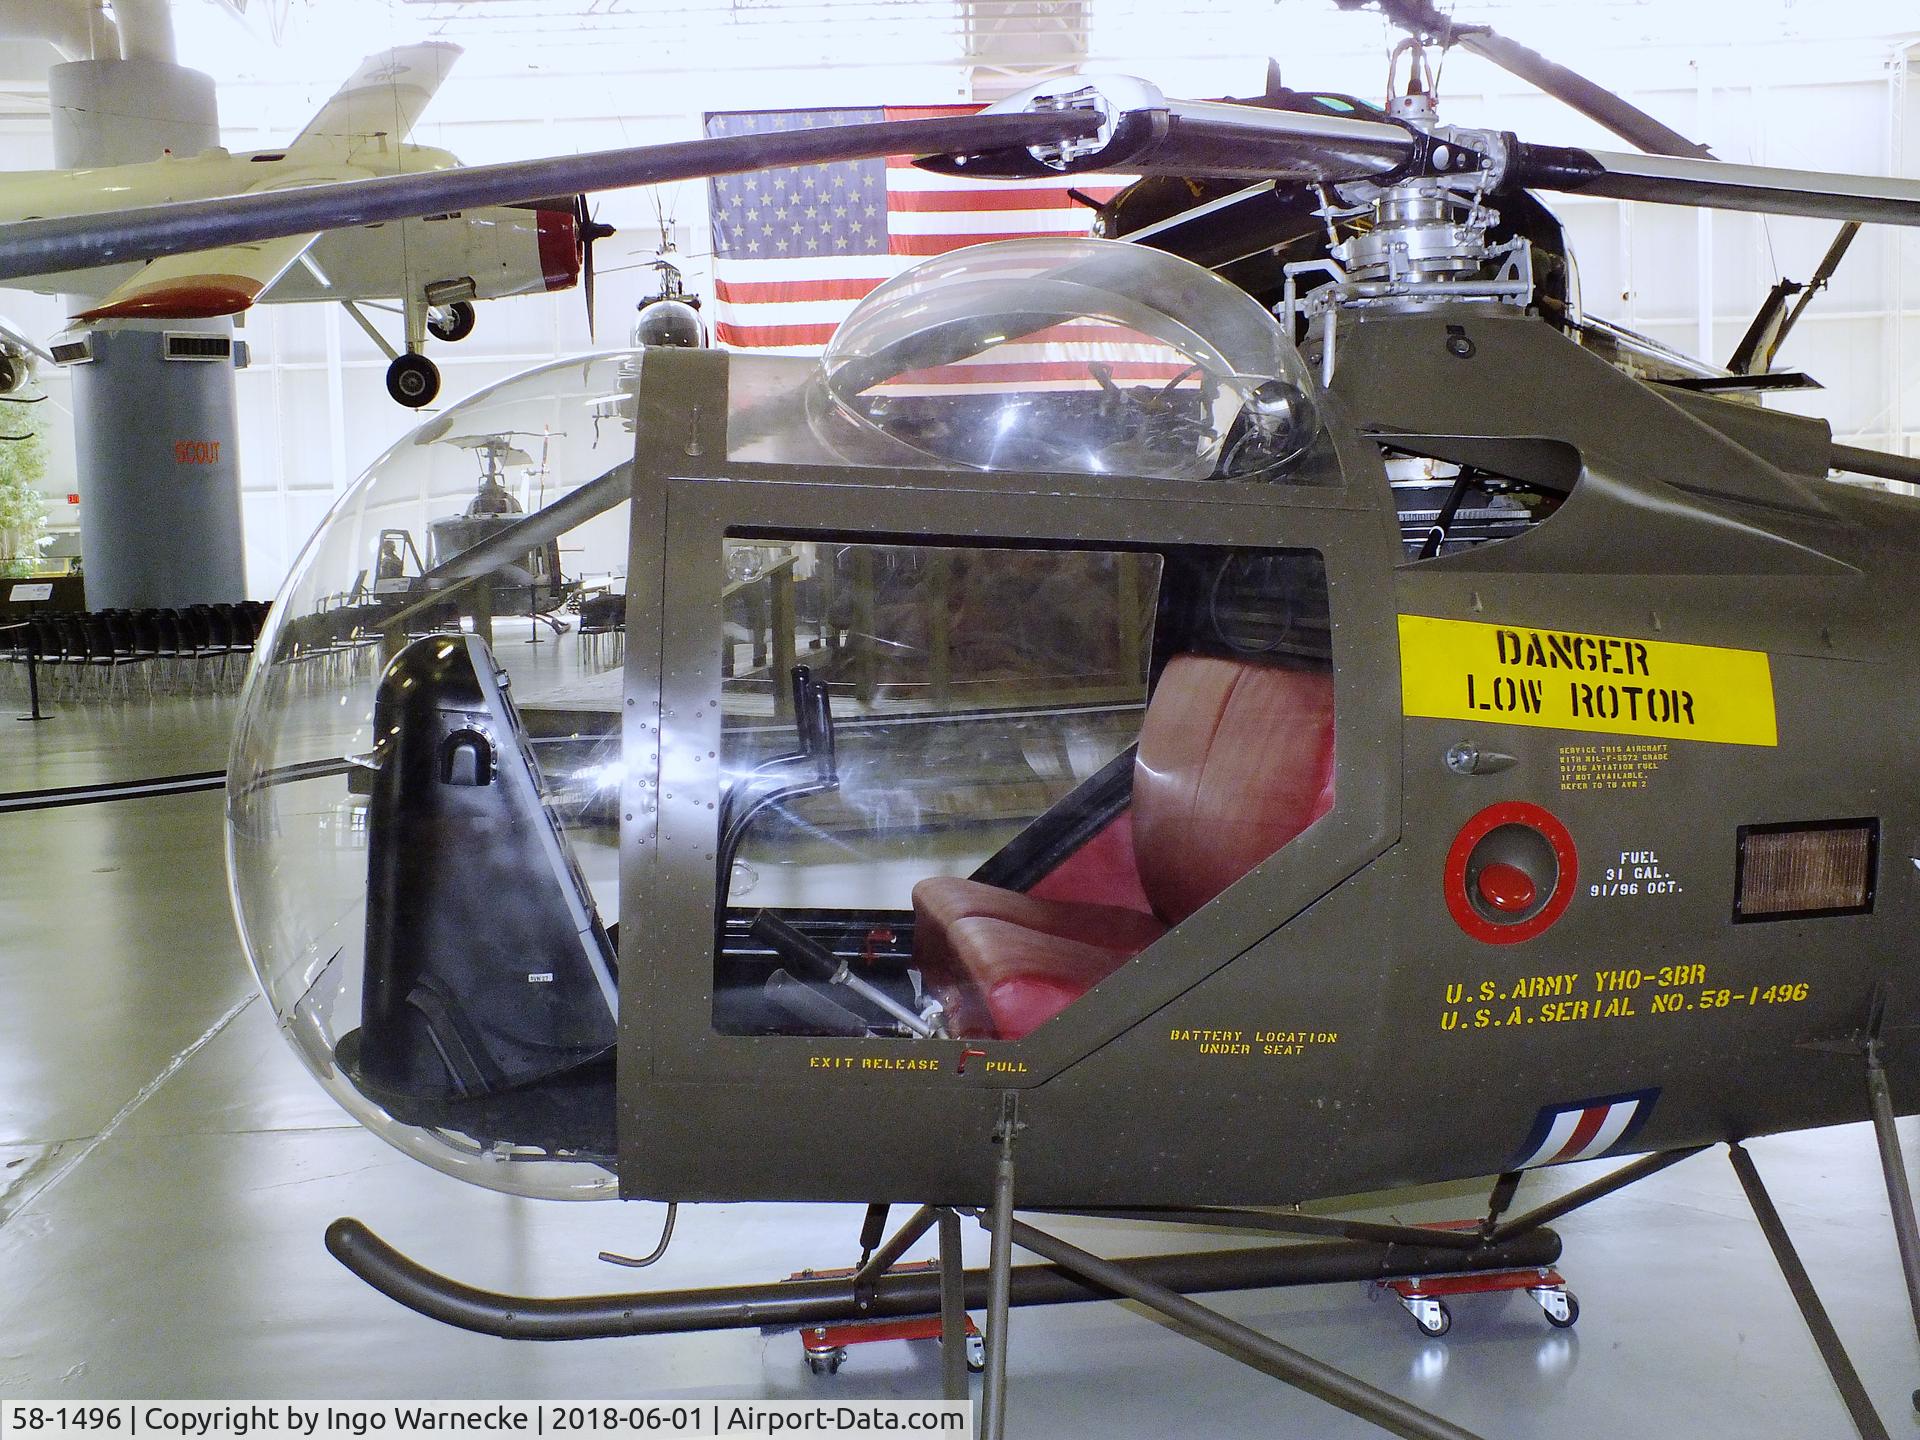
[[1076, 356], [297, 803]]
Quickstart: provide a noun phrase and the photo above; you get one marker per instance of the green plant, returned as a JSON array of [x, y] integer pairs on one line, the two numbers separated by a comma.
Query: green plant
[[23, 509]]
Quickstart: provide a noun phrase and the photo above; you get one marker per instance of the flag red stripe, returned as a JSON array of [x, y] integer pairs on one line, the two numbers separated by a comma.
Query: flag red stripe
[[763, 292], [1086, 332], [1590, 1122], [750, 335], [941, 244], [929, 112], [819, 333], [983, 197], [1040, 370]]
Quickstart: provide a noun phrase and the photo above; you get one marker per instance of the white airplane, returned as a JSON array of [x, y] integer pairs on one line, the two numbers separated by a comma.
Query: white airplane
[[437, 266], [19, 359]]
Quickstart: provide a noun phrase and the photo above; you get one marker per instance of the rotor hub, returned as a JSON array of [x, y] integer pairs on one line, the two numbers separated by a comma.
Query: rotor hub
[[1421, 231]]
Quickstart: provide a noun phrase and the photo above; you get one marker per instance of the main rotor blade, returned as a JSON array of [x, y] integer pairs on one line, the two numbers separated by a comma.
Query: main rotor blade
[[1716, 184], [1143, 132], [1596, 102], [74, 242]]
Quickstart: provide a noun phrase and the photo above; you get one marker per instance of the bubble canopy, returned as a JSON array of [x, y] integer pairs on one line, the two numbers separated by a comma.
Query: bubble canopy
[[424, 792], [383, 572], [1077, 355]]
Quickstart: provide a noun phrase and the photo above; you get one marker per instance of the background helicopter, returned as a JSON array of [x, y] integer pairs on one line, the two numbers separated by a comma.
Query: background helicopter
[[1371, 379]]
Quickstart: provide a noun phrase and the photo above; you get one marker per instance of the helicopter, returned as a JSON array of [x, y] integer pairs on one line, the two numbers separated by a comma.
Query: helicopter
[[1217, 718]]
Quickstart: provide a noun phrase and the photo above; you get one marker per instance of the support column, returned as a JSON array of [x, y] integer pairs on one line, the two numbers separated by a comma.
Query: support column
[[155, 439]]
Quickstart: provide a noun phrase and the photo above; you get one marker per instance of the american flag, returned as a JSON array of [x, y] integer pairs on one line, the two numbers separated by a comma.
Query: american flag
[[796, 249]]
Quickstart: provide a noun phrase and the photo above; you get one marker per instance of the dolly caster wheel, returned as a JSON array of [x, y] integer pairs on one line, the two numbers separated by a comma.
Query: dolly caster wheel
[[977, 1355], [413, 380], [1432, 1316], [455, 322], [826, 1362], [1559, 1306]]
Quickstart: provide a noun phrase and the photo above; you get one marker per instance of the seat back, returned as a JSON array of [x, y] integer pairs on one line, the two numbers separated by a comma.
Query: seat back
[[1235, 760]]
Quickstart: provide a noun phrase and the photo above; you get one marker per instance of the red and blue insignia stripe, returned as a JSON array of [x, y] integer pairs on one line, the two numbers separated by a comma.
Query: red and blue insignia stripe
[[1584, 1129]]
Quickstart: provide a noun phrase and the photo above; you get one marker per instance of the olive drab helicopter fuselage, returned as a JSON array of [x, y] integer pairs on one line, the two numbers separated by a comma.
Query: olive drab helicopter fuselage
[[1617, 709]]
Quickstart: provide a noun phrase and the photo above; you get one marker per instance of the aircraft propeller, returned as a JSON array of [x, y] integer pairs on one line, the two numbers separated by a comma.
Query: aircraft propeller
[[586, 230], [589, 230]]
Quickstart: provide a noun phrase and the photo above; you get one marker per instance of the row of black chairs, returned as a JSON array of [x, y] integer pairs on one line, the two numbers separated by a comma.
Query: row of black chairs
[[346, 640], [98, 653], [603, 630]]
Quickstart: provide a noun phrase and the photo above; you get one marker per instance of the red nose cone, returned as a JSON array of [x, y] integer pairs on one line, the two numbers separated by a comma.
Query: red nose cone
[[559, 248], [1506, 888]]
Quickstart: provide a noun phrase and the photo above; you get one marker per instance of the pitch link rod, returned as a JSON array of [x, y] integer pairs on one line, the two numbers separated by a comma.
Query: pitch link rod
[[791, 1304], [1244, 1344]]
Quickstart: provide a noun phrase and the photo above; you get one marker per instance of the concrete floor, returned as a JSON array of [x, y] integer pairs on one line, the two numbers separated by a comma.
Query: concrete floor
[[166, 1170]]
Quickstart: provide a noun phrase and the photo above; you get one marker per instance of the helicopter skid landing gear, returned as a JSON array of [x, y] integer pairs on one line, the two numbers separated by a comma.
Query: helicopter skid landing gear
[[1422, 1295]]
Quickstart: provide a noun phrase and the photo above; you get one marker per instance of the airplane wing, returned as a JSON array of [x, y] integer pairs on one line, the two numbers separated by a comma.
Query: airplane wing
[[202, 283], [378, 105]]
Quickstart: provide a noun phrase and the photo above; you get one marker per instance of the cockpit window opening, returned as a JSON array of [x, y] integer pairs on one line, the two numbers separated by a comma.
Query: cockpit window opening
[[1455, 493], [965, 794]]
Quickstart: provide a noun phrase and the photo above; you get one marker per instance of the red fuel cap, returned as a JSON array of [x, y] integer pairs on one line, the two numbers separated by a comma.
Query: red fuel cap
[[1506, 887]]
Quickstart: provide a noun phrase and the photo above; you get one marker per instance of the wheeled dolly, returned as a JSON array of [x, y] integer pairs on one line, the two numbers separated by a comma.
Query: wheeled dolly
[[1425, 1296], [826, 1346]]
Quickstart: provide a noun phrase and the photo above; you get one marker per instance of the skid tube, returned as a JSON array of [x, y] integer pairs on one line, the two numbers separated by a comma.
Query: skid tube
[[795, 1303]]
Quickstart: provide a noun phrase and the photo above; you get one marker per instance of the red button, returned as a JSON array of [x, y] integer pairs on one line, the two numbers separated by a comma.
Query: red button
[[1506, 887]]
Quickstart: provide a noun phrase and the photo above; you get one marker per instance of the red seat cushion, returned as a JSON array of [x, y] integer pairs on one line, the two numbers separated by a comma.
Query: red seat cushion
[[945, 901], [1023, 977], [1235, 760], [941, 903]]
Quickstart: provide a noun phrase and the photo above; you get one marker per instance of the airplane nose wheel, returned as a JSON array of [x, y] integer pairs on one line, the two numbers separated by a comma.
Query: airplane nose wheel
[[413, 380]]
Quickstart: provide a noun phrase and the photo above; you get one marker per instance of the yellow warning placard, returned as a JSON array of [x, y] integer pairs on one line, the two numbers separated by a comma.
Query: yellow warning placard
[[1564, 680]]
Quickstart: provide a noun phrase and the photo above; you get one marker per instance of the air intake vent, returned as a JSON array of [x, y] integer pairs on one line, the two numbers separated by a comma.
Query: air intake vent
[[73, 352], [186, 345], [1805, 870]]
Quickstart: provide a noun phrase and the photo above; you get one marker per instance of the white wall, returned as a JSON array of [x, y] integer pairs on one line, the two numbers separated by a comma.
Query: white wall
[[1770, 81]]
